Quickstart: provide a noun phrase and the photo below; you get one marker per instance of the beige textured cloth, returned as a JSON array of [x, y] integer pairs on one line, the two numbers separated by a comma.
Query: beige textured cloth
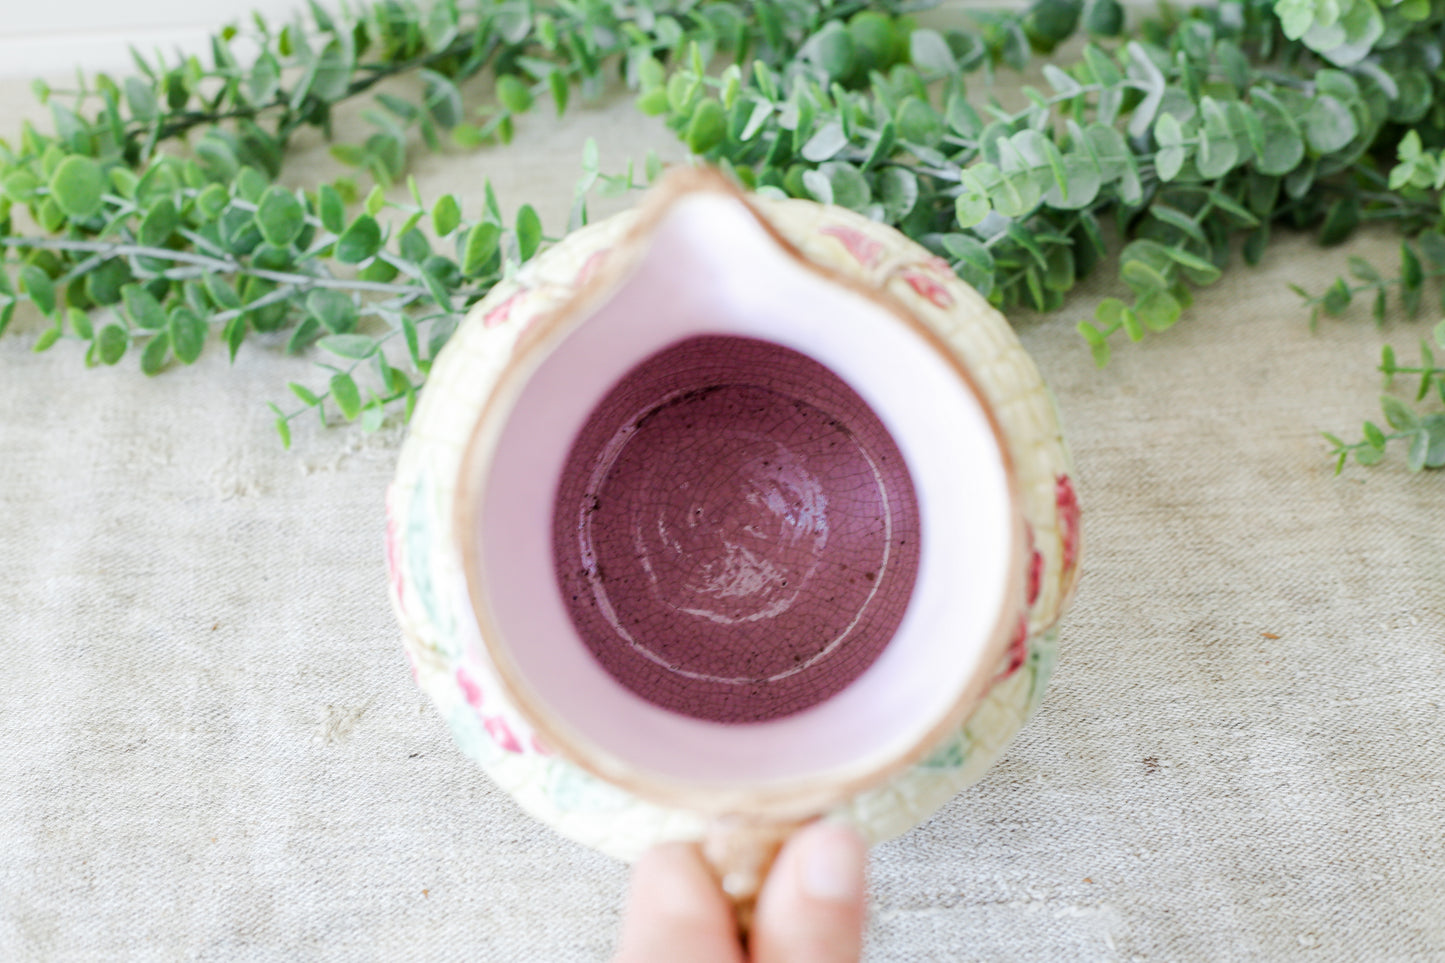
[[211, 747]]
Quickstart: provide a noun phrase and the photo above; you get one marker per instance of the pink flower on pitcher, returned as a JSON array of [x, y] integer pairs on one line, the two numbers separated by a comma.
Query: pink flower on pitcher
[[393, 550], [501, 312], [864, 249], [590, 266], [469, 687], [501, 733], [540, 747], [1068, 504], [924, 279]]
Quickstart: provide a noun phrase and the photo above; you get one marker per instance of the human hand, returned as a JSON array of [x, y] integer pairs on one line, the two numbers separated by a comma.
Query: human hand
[[811, 908]]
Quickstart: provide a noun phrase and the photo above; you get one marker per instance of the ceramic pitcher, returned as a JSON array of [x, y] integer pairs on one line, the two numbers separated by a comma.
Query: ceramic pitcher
[[727, 513]]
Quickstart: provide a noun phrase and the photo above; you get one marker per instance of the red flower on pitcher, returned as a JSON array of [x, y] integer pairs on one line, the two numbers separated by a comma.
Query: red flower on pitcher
[[501, 733], [1018, 648], [1036, 569], [864, 249], [1068, 505]]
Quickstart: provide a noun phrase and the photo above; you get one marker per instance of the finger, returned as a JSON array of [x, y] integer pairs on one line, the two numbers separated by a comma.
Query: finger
[[676, 911], [813, 904]]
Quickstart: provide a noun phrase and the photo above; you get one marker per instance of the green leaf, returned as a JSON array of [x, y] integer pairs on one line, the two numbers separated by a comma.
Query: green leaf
[[375, 200], [335, 310], [442, 100], [1167, 132], [1412, 275], [514, 94], [1370, 456], [482, 242], [359, 241], [233, 334], [826, 142], [1337, 297], [331, 209], [111, 343], [529, 232], [919, 123], [930, 54], [1197, 268], [436, 289], [834, 51], [1284, 146], [142, 308], [47, 339], [141, 99], [1341, 220], [849, 186], [345, 395], [1158, 309], [557, 84], [20, 185], [898, 189], [157, 351], [1374, 437], [1168, 162], [707, 128], [1143, 278], [188, 334], [307, 396], [280, 217], [37, 284], [445, 215], [354, 346], [80, 323], [283, 430], [159, 223], [1398, 414], [1329, 126], [1177, 218], [1104, 18], [264, 80], [1144, 71], [77, 186]]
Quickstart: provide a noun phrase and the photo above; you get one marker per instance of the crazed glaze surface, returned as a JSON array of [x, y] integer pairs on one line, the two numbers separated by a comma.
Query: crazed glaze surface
[[424, 561], [736, 533]]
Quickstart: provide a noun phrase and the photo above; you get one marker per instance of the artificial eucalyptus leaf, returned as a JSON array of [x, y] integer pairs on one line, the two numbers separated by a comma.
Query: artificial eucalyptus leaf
[[529, 231], [345, 395], [280, 217], [110, 343], [335, 310], [360, 240], [187, 334], [77, 185]]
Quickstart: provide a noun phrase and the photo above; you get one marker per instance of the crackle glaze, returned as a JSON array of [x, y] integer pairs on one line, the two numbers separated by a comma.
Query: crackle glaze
[[431, 602]]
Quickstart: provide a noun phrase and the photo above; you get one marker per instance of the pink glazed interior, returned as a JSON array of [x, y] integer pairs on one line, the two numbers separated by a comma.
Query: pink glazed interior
[[736, 532], [711, 300]]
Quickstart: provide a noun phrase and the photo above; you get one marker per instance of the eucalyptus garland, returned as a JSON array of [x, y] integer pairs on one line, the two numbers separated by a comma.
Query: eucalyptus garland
[[1173, 148]]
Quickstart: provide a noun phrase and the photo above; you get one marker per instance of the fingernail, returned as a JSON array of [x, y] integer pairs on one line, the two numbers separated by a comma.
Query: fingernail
[[832, 864]]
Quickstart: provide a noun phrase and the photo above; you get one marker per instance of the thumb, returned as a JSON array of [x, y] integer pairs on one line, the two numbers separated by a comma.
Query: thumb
[[813, 904], [676, 911]]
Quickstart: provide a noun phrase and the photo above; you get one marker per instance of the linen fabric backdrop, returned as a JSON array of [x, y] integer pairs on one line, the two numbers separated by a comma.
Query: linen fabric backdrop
[[211, 747]]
